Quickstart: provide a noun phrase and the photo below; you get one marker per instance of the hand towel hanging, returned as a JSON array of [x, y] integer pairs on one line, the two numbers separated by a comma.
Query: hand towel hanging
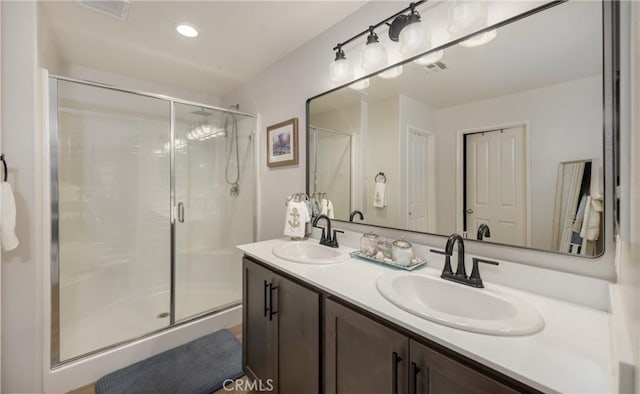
[[7, 217]]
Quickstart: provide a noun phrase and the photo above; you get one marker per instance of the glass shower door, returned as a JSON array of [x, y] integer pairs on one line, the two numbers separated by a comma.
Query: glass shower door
[[214, 197], [111, 216]]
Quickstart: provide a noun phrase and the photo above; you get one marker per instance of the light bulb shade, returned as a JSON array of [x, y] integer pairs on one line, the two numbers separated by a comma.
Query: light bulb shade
[[374, 57], [341, 70], [479, 39], [363, 84], [392, 72], [413, 39], [465, 17], [430, 58]]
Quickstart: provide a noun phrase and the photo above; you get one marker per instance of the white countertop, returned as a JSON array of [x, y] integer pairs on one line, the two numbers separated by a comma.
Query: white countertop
[[572, 354]]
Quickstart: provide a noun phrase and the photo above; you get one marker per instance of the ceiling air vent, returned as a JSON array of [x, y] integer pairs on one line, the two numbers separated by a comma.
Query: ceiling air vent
[[432, 68], [118, 9]]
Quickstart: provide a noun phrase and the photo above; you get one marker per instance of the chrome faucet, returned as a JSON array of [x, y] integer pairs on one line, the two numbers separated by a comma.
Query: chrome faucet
[[354, 213], [327, 239], [483, 231], [460, 276]]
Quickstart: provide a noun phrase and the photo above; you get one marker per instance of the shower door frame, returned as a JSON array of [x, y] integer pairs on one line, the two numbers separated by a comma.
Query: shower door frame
[[55, 361], [352, 161]]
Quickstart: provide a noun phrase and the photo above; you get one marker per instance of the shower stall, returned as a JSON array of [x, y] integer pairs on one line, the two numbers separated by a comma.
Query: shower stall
[[149, 195], [331, 164]]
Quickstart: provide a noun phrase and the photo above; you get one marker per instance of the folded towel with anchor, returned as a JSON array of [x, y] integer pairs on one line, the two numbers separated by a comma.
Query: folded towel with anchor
[[296, 218]]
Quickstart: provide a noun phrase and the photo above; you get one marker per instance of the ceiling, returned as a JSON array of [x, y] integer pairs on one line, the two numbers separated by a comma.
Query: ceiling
[[237, 40], [557, 45]]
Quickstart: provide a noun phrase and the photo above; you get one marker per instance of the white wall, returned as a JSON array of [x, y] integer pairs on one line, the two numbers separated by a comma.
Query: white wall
[[91, 74], [628, 261], [559, 116], [280, 92], [22, 320], [382, 139]]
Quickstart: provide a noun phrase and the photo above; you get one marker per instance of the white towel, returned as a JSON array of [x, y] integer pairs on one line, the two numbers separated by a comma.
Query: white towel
[[296, 218], [380, 195], [591, 223], [595, 187], [330, 213], [8, 217], [324, 206]]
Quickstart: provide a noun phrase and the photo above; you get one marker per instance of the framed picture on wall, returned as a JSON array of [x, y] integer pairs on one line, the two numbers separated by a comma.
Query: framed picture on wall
[[282, 143]]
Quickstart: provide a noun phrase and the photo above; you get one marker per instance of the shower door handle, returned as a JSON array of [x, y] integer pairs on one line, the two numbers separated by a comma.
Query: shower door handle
[[181, 212]]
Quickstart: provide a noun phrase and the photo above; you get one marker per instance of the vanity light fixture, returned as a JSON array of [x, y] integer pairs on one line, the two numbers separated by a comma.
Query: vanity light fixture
[[392, 72], [406, 28], [412, 36], [467, 16], [360, 85], [479, 39], [341, 70], [374, 54], [187, 30]]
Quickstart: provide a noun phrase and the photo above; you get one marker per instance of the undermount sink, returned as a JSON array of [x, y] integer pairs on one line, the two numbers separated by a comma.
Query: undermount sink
[[486, 311], [309, 253]]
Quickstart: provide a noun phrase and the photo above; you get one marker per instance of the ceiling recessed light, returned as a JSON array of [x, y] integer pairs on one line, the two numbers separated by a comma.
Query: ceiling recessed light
[[187, 30]]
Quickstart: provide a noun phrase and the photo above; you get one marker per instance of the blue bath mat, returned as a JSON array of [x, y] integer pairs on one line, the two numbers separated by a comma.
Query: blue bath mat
[[200, 366]]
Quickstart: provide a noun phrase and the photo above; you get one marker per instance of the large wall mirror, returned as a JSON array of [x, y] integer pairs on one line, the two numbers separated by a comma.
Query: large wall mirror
[[508, 135]]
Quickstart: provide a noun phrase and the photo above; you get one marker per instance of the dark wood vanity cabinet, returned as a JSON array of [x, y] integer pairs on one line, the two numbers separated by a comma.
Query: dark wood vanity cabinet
[[362, 356], [432, 372], [280, 331], [287, 323]]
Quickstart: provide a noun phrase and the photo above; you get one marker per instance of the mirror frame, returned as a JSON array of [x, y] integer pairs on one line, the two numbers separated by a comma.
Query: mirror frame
[[611, 123]]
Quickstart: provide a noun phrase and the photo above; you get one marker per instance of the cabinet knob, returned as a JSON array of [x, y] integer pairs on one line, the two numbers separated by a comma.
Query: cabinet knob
[[469, 211]]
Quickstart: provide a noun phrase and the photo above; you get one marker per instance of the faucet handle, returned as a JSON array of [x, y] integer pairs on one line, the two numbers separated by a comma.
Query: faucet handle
[[446, 270], [334, 241], [475, 271]]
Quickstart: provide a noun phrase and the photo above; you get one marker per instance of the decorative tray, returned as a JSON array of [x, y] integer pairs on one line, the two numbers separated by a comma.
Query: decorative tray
[[411, 267]]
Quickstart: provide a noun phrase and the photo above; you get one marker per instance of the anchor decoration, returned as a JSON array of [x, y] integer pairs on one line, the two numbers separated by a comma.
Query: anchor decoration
[[296, 218]]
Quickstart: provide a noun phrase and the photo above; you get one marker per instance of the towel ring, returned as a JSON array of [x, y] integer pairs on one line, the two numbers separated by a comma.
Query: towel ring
[[384, 177], [4, 167]]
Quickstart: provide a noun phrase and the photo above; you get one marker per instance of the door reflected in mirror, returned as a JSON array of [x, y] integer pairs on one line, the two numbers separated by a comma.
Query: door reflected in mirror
[[475, 138]]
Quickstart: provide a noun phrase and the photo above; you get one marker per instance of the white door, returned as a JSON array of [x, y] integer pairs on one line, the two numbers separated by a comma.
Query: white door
[[496, 182], [420, 216]]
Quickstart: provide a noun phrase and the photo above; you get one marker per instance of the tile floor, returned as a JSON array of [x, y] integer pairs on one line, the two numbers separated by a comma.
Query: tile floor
[[91, 388]]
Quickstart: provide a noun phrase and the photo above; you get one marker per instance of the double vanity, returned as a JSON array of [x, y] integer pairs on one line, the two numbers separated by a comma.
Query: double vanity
[[317, 320], [514, 135]]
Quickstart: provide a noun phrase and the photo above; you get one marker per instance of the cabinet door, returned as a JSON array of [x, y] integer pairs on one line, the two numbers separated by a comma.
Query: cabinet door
[[361, 355], [258, 350], [298, 340], [434, 373]]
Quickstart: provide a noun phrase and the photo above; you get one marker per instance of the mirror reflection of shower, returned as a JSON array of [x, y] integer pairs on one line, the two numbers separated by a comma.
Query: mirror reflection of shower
[[231, 178]]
